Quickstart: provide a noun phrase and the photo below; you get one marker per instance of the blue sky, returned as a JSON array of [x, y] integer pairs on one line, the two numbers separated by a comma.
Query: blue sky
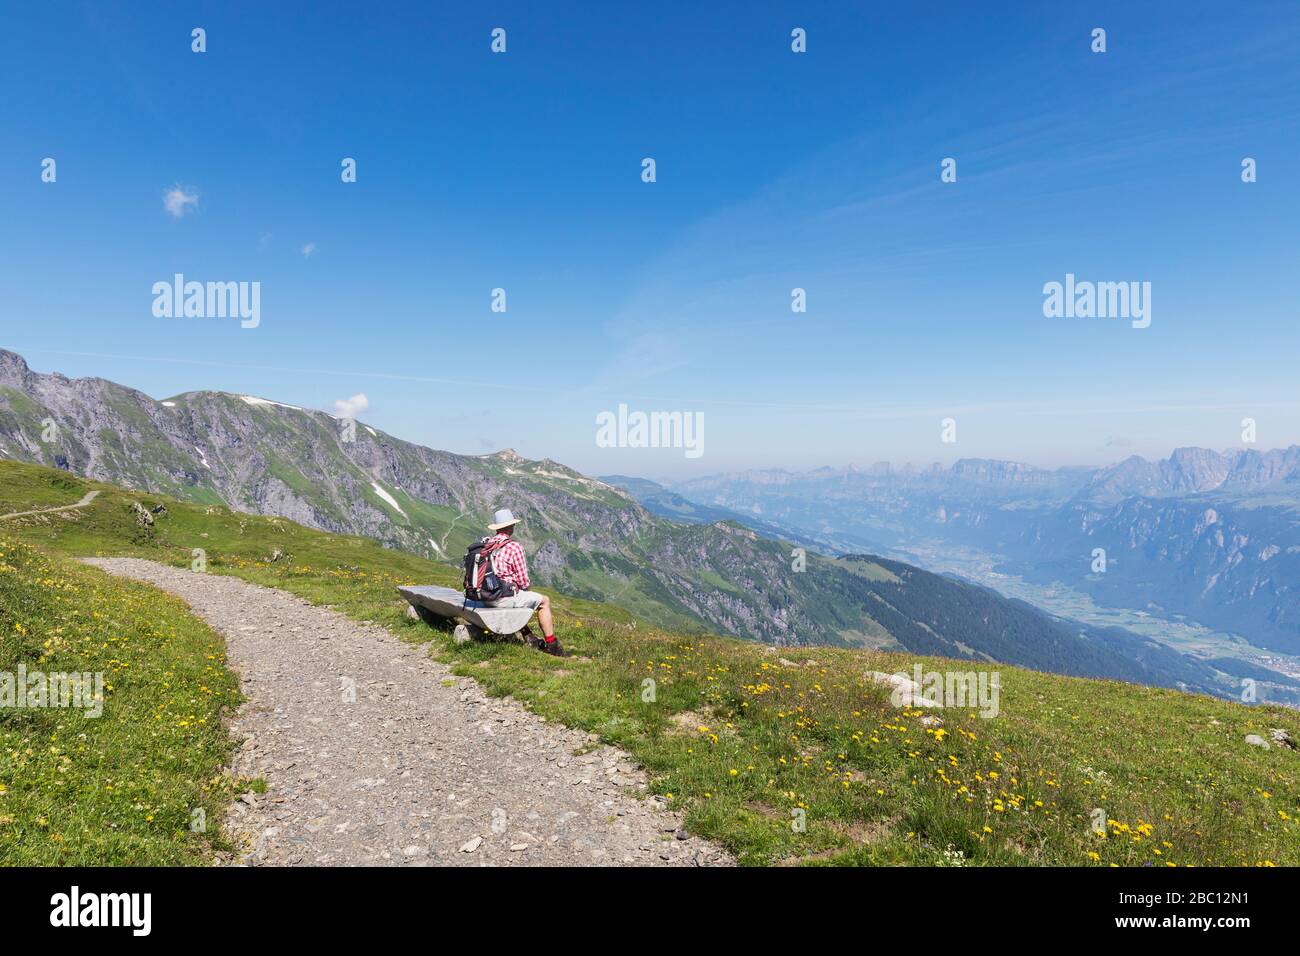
[[775, 170]]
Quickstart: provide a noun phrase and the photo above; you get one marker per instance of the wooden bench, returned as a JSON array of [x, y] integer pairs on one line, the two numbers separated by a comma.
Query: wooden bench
[[431, 603]]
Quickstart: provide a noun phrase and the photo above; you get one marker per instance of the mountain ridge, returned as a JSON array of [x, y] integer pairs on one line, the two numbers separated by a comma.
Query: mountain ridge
[[585, 537], [1207, 535]]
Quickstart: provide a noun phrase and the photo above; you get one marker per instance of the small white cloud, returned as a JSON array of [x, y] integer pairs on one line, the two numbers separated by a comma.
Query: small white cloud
[[308, 249], [178, 200], [351, 407], [264, 242]]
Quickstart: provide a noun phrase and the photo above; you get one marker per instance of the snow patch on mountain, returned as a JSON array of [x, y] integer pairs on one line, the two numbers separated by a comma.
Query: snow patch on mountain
[[254, 400], [387, 497]]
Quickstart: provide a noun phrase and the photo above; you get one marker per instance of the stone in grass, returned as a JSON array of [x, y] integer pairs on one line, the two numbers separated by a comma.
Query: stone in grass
[[1281, 738], [904, 692], [1255, 740]]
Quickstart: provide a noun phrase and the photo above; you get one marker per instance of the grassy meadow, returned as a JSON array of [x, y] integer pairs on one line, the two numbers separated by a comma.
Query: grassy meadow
[[786, 756], [142, 782]]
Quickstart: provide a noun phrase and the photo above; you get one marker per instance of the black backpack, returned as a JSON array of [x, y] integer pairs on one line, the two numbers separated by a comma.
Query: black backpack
[[482, 583]]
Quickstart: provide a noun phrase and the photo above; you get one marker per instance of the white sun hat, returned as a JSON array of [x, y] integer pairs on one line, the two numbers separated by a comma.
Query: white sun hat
[[502, 519]]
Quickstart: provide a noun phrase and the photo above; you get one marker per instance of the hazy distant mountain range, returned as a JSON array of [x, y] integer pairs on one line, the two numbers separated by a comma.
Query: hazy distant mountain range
[[1212, 536], [584, 536], [668, 504]]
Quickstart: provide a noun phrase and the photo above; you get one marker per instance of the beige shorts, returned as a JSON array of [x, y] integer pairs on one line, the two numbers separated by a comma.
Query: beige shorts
[[522, 599]]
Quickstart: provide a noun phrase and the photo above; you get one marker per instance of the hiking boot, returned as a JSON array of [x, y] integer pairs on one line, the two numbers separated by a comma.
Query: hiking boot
[[553, 647]]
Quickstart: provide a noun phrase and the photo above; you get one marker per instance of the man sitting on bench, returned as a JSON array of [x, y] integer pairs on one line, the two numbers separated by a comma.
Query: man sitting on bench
[[512, 567]]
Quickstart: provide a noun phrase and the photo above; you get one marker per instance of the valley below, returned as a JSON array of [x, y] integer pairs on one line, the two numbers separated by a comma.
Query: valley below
[[1200, 551], [1058, 598]]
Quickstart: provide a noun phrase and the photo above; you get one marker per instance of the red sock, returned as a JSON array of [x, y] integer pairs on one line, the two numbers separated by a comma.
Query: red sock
[[550, 638]]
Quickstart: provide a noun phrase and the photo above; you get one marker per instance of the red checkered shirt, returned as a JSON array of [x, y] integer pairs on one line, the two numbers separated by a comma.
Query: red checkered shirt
[[512, 566]]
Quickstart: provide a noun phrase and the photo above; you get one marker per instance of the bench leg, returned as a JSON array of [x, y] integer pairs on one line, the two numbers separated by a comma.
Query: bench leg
[[468, 632]]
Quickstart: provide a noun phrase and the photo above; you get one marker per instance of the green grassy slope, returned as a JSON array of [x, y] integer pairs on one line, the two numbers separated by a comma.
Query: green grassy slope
[[142, 783], [747, 742]]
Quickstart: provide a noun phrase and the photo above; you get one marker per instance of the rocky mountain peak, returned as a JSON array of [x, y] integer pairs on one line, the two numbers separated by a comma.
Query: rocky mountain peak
[[13, 369]]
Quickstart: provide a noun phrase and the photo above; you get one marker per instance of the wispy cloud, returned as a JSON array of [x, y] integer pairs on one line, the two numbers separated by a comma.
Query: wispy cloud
[[308, 249], [179, 200], [642, 357], [351, 407]]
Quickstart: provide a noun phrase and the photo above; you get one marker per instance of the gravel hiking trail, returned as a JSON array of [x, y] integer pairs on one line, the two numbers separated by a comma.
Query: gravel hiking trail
[[87, 499], [422, 768]]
